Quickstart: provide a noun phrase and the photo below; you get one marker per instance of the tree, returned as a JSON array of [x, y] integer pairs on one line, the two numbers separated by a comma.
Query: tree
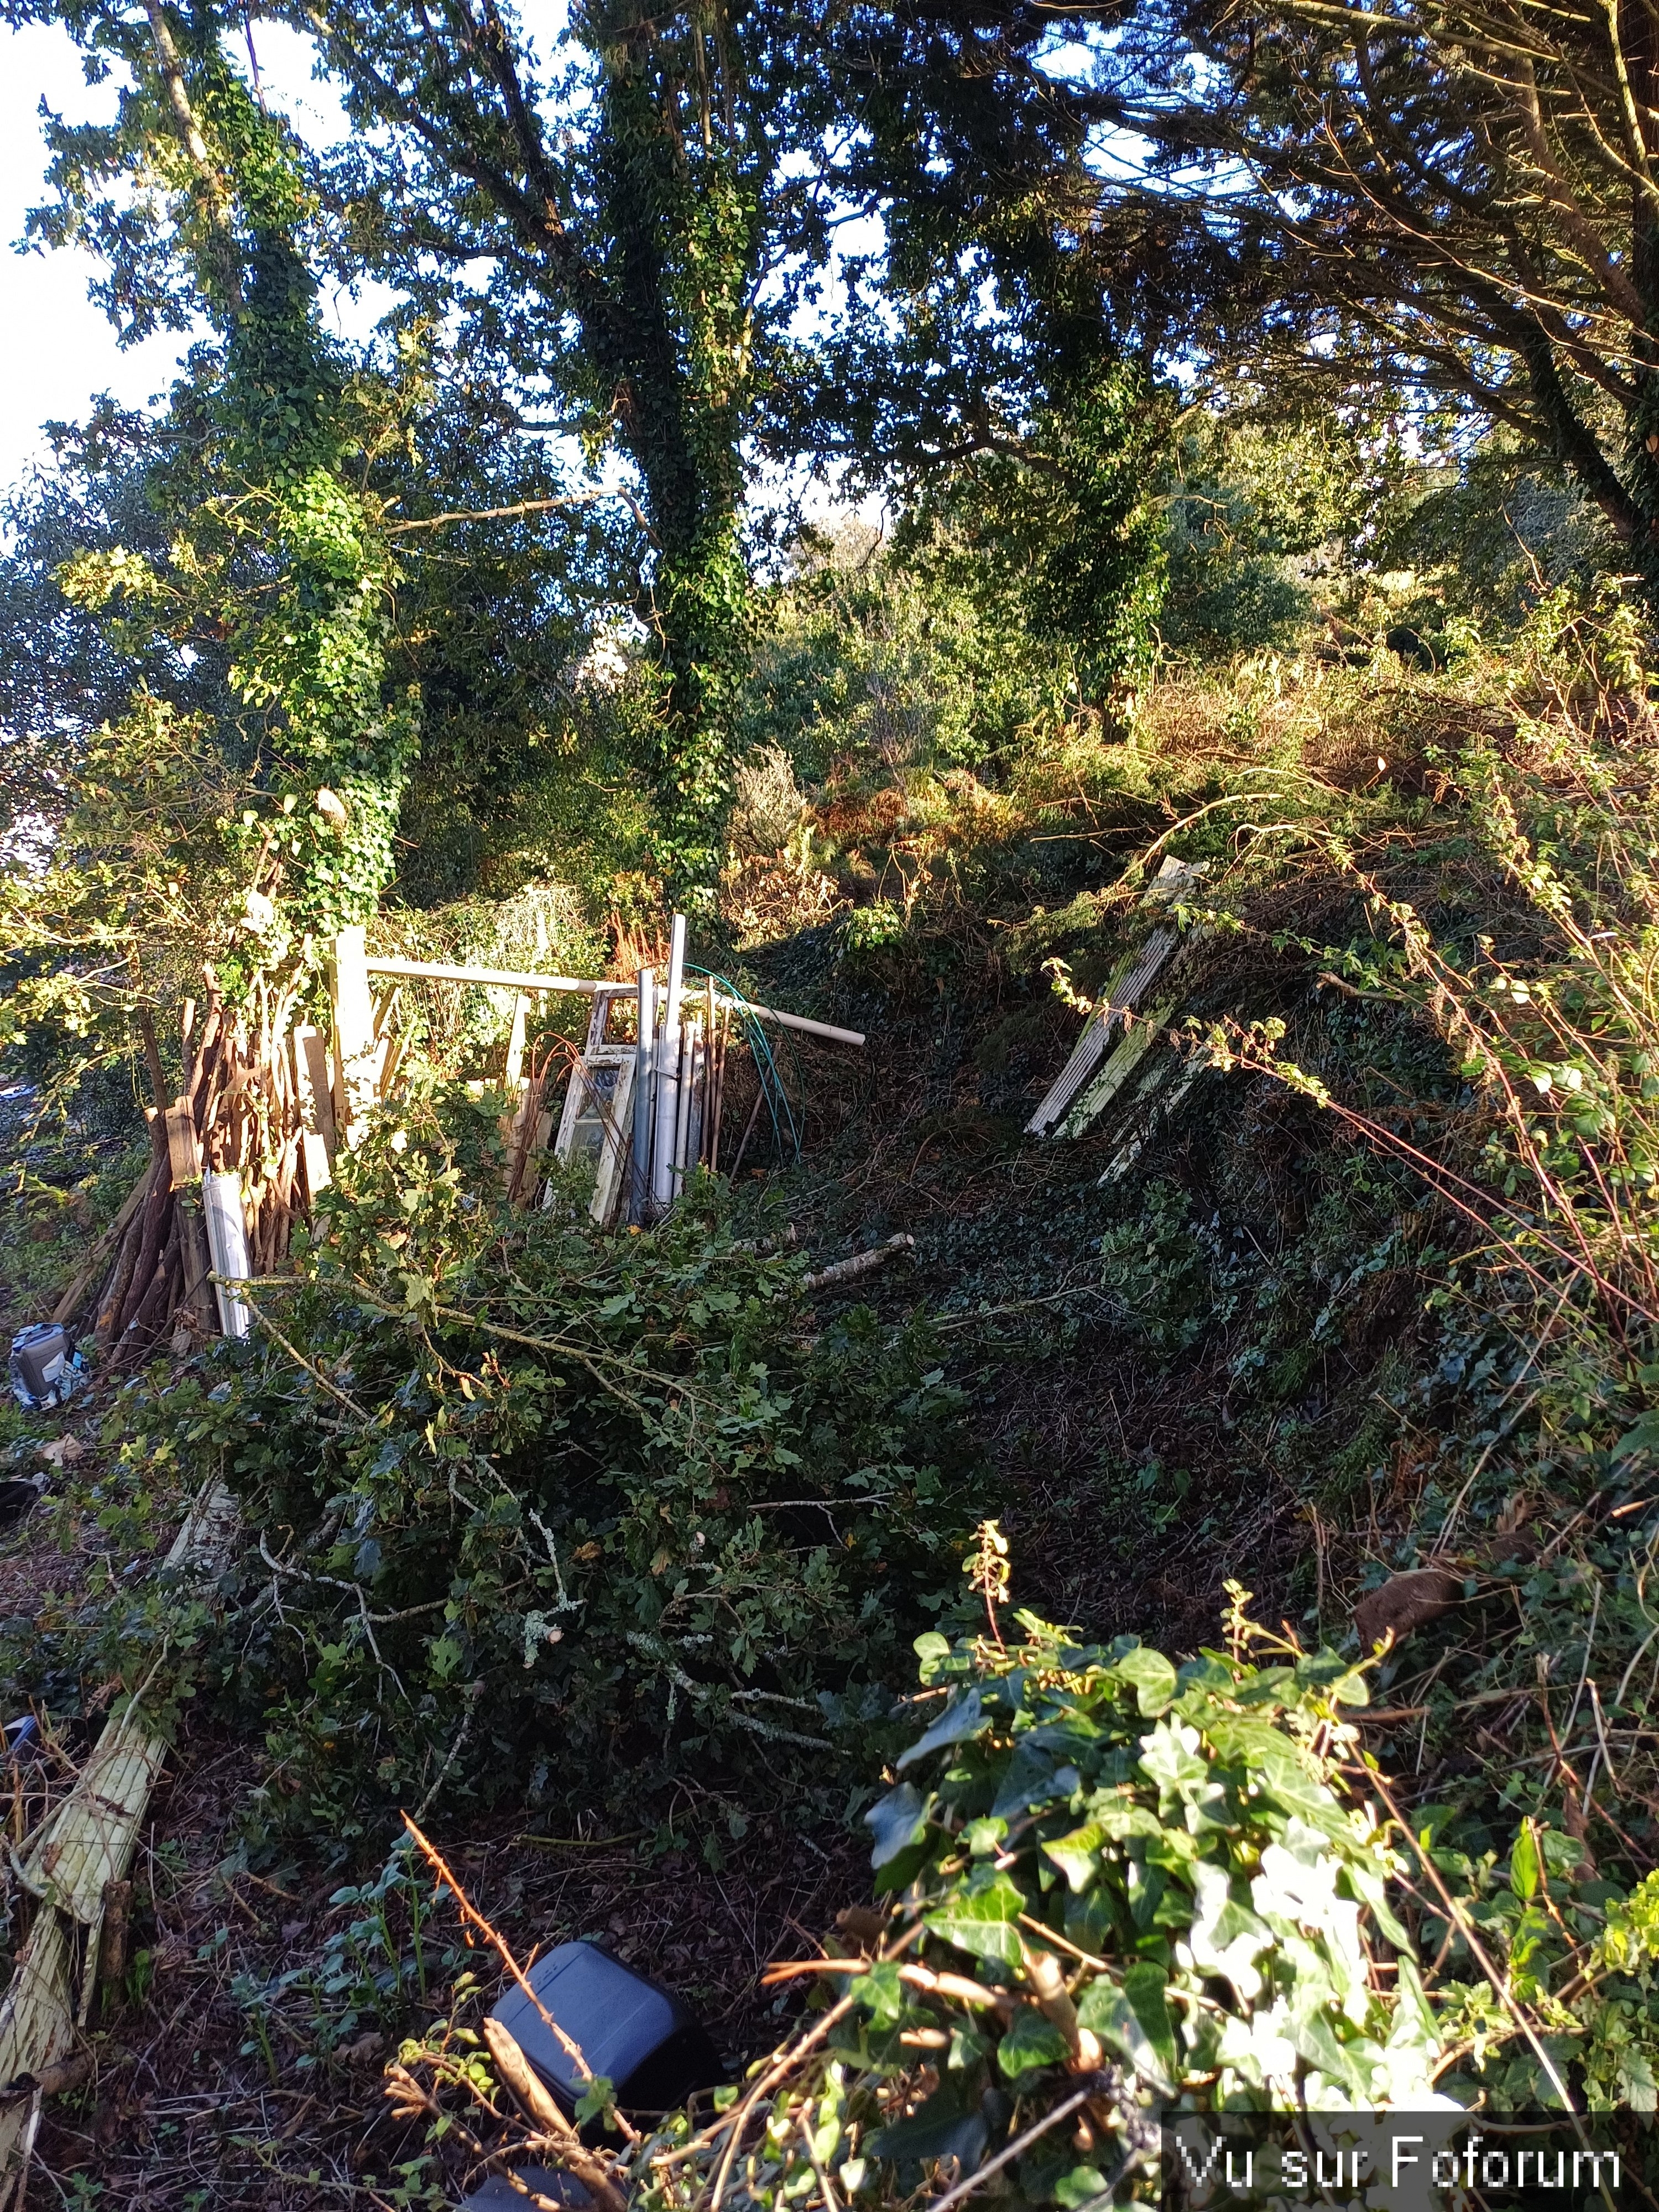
[[1000, 361], [654, 216], [198, 201], [63, 670], [1462, 199], [626, 209]]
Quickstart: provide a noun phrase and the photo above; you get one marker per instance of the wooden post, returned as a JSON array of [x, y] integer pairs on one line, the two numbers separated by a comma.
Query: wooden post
[[357, 1062], [514, 1072], [314, 1086]]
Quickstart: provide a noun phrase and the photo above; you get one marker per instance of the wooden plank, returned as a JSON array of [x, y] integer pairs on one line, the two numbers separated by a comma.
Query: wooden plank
[[1132, 1048], [1156, 1098], [1133, 975], [1122, 995], [88, 1840], [184, 1153], [313, 1160], [314, 1084], [669, 1045]]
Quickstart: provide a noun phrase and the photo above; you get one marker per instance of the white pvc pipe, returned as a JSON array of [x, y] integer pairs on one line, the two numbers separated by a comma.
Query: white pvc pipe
[[683, 1106], [663, 1183], [639, 1166], [226, 1233]]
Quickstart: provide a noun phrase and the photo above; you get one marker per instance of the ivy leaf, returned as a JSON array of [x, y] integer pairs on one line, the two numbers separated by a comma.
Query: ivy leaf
[[962, 1718], [1170, 1757], [1225, 1935], [897, 1819], [1151, 1677], [983, 1920], [1028, 1781], [1032, 2041], [944, 2127], [597, 2101], [1311, 2032], [1644, 1438], [1078, 1855], [1523, 1862], [881, 1993], [1084, 2184], [1135, 2019]]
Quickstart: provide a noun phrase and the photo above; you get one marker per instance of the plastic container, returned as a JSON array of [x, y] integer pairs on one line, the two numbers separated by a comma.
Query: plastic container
[[627, 2028], [43, 1367], [498, 2194], [18, 1494]]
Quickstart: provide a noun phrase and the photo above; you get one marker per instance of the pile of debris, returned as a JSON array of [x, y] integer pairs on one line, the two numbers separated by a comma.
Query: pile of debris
[[242, 1152], [224, 1184]]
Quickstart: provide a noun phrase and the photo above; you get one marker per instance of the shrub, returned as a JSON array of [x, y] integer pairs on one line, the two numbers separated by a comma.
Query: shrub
[[1107, 1883], [553, 1515]]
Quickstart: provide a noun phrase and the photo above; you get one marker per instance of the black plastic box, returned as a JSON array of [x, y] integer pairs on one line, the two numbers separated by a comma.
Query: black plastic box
[[498, 2195], [627, 2028]]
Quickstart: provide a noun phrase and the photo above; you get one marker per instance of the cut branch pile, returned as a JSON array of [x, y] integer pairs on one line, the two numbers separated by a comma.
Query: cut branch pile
[[239, 1113]]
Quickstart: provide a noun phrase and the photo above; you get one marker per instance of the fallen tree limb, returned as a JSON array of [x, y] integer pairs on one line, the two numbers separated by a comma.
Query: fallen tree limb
[[861, 1263], [538, 2101]]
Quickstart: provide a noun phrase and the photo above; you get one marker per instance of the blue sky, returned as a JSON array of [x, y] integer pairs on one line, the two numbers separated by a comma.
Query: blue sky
[[60, 351]]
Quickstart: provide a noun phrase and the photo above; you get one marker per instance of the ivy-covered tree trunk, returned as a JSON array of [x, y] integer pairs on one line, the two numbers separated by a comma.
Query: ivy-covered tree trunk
[[683, 223], [277, 550], [308, 654], [625, 207]]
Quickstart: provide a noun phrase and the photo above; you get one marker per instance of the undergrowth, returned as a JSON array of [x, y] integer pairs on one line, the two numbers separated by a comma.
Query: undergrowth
[[545, 1515], [1110, 1890]]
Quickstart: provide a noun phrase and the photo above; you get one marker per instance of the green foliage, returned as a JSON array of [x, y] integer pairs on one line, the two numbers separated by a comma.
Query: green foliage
[[1488, 536], [1216, 1881], [380, 1965], [1257, 508], [557, 1517], [1101, 1872], [275, 547], [881, 664], [1069, 536], [1154, 1264]]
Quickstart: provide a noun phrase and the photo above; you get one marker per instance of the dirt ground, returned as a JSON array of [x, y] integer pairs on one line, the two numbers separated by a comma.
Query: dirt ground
[[185, 2109]]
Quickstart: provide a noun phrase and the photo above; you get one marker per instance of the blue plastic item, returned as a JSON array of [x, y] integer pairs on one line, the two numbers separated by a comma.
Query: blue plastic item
[[45, 1367], [639, 2035]]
